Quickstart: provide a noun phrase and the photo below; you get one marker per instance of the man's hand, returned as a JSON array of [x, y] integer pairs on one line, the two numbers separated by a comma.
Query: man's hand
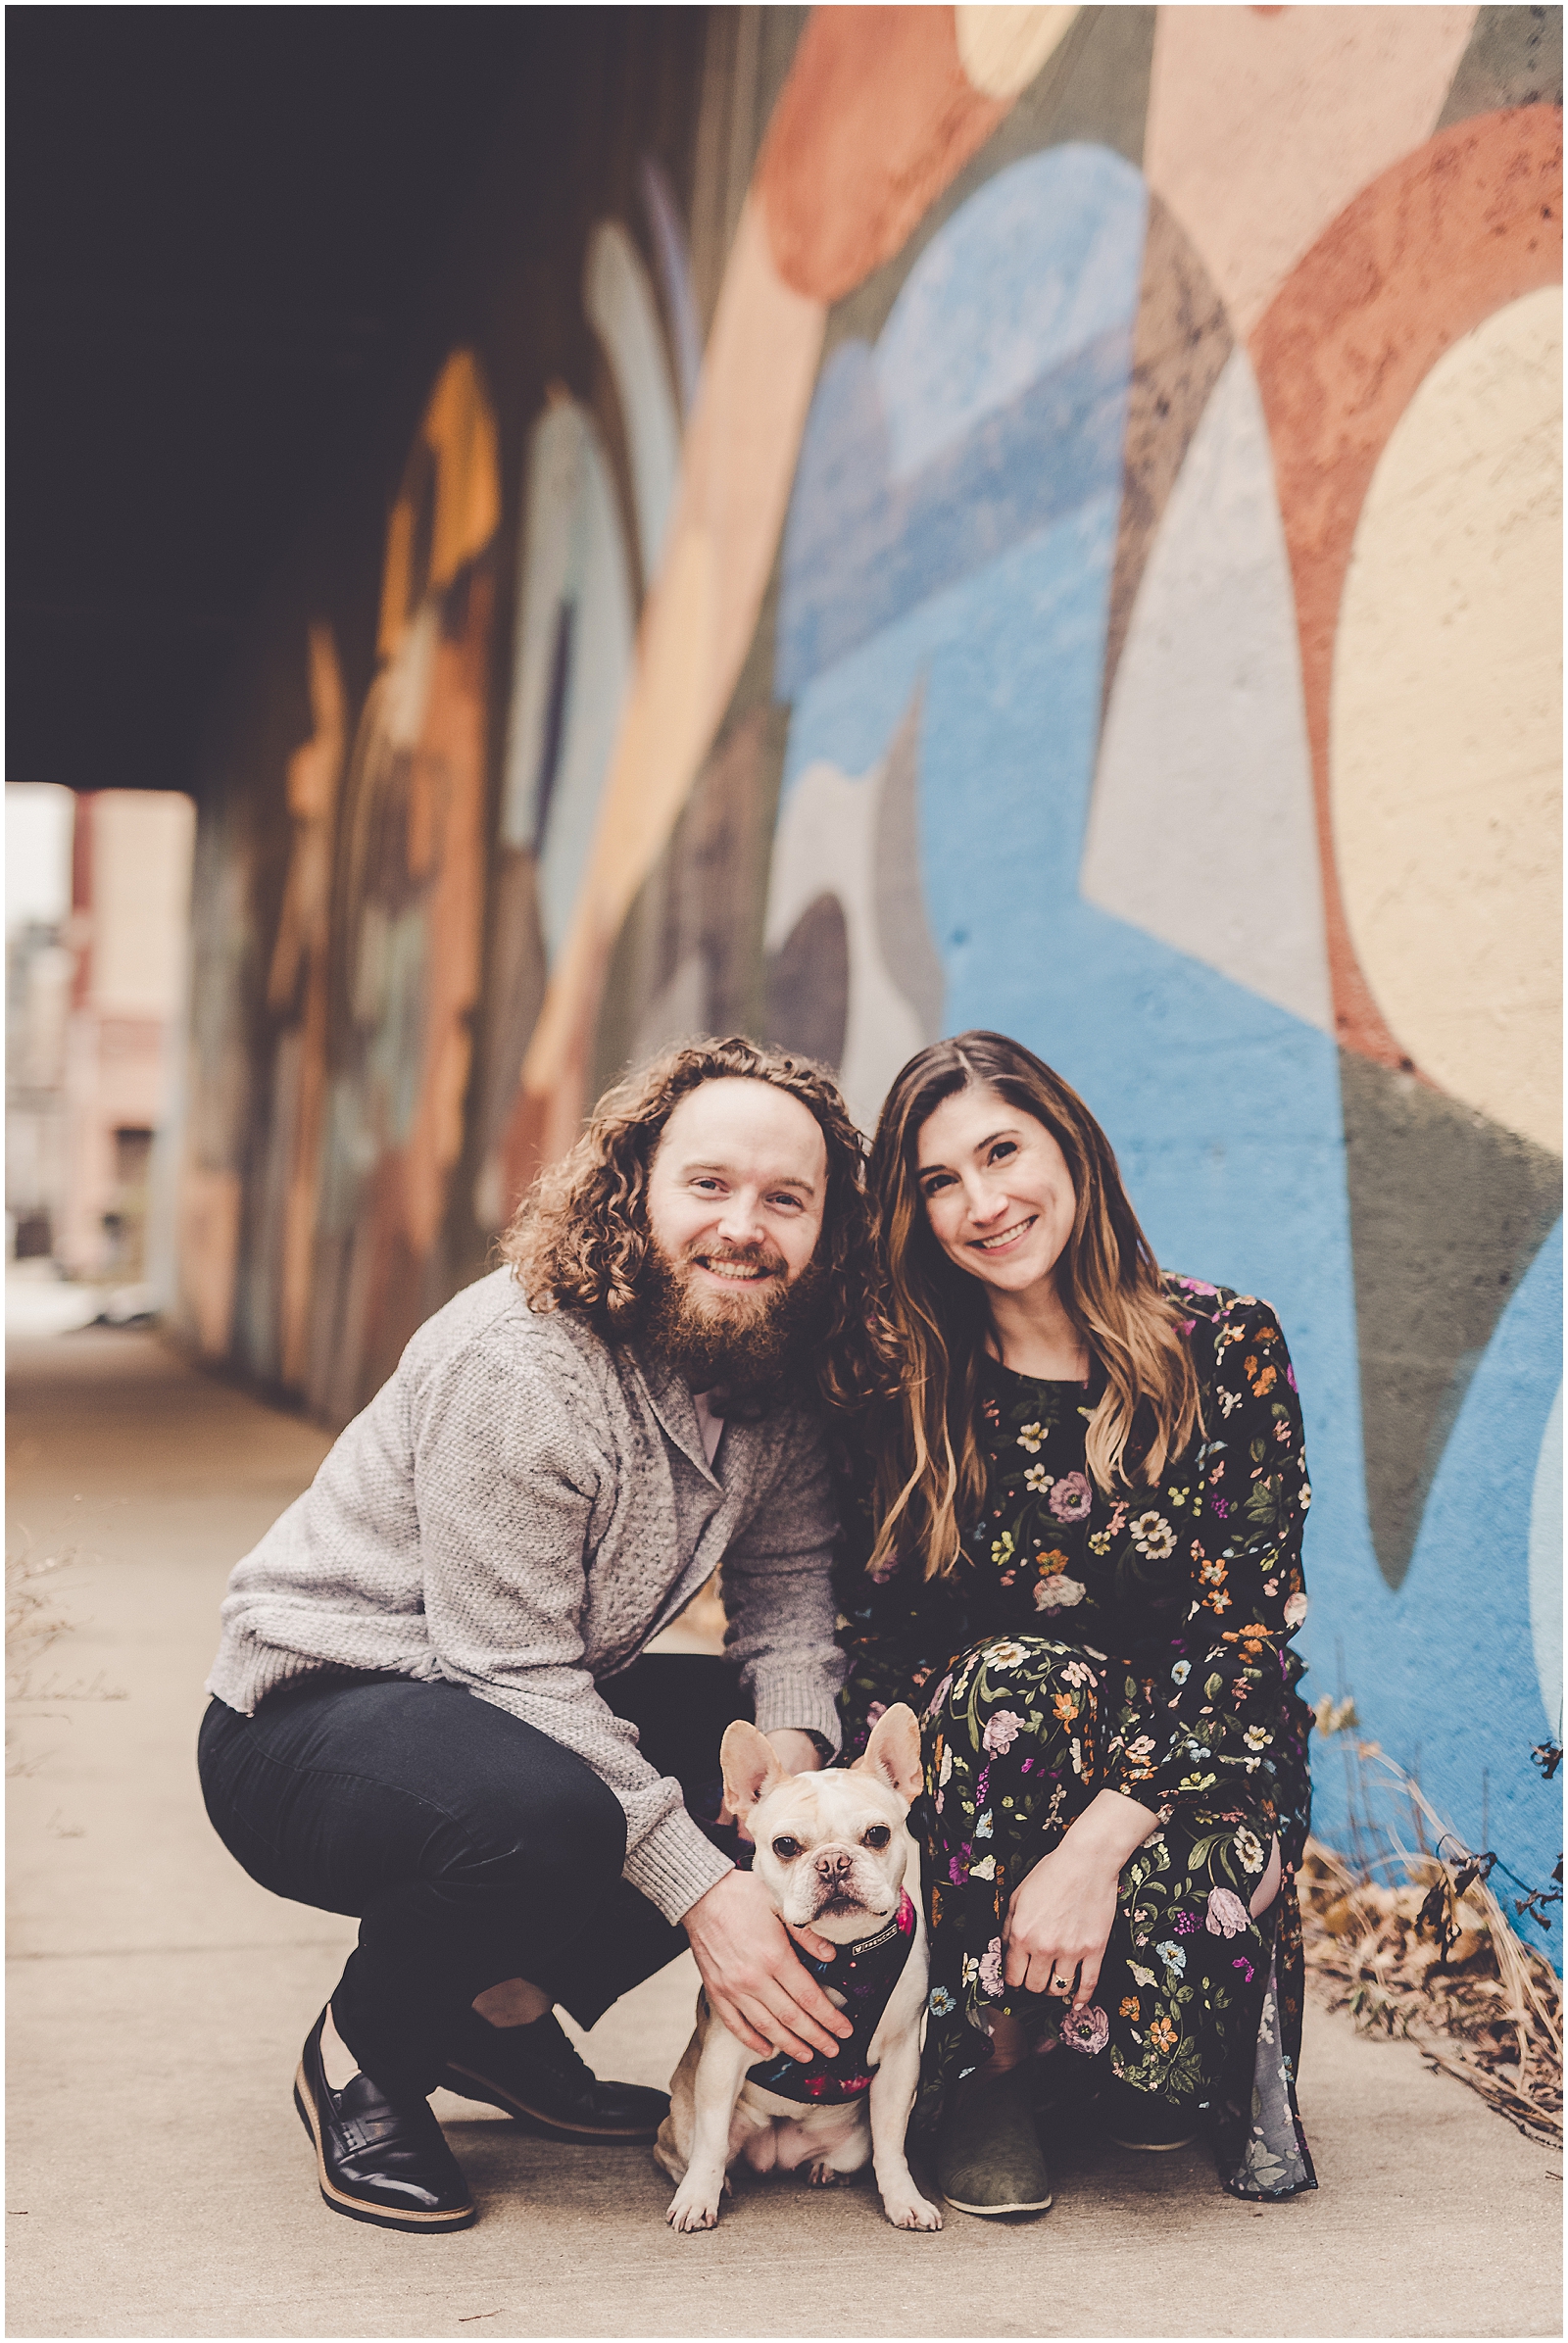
[[753, 1979], [797, 1752]]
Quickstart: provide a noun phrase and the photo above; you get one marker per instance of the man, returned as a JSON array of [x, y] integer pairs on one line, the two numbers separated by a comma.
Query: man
[[431, 1705]]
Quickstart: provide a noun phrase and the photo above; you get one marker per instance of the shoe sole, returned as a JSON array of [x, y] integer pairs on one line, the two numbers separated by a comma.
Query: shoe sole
[[994, 2211], [336, 2200], [468, 2085]]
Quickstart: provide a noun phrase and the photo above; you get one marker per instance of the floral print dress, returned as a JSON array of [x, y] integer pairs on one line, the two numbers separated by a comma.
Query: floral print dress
[[1137, 1642]]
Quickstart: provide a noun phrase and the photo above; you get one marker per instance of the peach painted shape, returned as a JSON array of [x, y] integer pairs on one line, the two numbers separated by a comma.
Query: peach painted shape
[[448, 796], [1262, 127], [314, 773], [876, 118], [1425, 253]]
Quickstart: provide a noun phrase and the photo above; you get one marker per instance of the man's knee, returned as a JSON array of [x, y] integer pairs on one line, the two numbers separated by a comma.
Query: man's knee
[[539, 1815]]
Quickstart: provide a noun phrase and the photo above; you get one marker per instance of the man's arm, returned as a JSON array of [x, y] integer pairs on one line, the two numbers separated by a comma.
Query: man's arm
[[778, 1592], [506, 1479], [507, 1471]]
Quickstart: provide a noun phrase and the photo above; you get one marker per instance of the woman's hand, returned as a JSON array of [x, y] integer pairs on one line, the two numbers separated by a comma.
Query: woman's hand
[[1059, 1918], [1057, 1924]]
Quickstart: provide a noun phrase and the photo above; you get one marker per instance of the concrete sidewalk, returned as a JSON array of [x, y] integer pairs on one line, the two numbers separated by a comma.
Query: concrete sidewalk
[[160, 2183]]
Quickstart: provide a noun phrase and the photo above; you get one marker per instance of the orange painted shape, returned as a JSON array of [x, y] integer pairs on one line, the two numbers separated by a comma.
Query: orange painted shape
[[876, 118], [458, 431], [1468, 222]]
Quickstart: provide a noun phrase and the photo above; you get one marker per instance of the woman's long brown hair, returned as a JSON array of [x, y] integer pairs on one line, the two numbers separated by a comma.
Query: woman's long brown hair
[[931, 1473]]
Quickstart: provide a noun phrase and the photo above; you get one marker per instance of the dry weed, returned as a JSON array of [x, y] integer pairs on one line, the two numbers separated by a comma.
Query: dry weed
[[1427, 1954]]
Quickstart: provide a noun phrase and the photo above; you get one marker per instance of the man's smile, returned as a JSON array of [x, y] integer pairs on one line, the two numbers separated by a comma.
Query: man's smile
[[730, 1271]]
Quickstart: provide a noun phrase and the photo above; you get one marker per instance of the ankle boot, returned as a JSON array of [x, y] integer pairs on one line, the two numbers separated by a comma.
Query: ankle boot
[[988, 2157]]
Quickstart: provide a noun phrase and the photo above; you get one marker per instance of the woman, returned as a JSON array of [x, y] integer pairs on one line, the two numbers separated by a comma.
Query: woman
[[1080, 1555]]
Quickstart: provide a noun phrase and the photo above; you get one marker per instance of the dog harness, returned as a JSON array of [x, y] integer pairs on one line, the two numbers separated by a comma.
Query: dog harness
[[865, 1974]]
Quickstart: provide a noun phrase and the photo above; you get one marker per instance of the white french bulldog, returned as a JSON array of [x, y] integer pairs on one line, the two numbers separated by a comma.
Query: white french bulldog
[[835, 1852]]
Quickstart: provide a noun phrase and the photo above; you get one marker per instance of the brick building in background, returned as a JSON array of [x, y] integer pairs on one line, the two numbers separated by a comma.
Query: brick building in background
[[93, 1005]]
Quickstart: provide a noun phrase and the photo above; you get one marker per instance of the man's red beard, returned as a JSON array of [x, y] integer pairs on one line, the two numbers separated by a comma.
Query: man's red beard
[[746, 1346]]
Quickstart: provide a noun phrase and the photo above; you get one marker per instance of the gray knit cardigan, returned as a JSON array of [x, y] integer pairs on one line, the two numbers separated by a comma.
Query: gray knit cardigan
[[520, 1509]]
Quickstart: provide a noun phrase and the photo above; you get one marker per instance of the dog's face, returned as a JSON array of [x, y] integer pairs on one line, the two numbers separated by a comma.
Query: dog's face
[[831, 1847]]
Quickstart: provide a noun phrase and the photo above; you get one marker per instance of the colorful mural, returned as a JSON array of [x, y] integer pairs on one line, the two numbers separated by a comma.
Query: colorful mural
[[1080, 555]]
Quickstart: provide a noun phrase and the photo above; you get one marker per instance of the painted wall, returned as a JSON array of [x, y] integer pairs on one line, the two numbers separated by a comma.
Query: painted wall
[[1043, 517]]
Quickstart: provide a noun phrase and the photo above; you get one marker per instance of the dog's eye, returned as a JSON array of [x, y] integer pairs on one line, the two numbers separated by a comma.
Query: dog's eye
[[877, 1836], [784, 1848]]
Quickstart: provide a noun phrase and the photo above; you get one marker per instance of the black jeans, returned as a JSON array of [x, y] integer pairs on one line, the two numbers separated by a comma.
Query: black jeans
[[472, 1847]]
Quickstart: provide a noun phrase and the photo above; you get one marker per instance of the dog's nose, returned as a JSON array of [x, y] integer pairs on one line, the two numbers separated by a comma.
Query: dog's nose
[[833, 1863]]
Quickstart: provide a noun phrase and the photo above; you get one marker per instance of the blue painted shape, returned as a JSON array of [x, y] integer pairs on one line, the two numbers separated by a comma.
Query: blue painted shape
[[1004, 448], [1546, 1567], [1448, 1666], [1042, 261], [1224, 1109], [862, 550]]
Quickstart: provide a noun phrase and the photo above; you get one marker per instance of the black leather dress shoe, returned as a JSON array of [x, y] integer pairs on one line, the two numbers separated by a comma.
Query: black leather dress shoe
[[533, 2073], [378, 2160]]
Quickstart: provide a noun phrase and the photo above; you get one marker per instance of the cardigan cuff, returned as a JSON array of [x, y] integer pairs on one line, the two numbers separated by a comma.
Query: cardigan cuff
[[788, 1693], [674, 1864]]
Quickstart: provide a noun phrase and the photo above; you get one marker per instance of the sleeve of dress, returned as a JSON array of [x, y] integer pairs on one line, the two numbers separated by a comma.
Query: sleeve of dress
[[1215, 1715]]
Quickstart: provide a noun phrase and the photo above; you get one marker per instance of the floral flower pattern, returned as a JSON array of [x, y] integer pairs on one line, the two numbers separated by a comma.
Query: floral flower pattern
[[1087, 2030], [1071, 1497], [1059, 1593], [1227, 1914]]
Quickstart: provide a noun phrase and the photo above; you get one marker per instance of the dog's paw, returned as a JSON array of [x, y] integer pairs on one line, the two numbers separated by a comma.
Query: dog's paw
[[822, 2176], [912, 2212], [691, 2208]]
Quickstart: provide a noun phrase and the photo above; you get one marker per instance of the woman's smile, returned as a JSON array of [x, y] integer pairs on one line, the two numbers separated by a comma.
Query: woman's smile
[[1007, 1237]]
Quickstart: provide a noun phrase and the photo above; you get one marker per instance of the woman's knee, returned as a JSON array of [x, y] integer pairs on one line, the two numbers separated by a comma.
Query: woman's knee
[[1008, 1674]]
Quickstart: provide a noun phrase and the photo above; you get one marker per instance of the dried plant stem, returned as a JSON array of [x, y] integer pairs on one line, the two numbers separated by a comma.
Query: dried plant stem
[[1493, 2017]]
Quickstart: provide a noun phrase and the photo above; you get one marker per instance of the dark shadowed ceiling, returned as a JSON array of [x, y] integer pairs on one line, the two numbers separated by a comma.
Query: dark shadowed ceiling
[[219, 219]]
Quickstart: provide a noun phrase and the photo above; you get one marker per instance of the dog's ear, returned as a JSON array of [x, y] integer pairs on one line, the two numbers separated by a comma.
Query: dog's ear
[[750, 1767], [892, 1754]]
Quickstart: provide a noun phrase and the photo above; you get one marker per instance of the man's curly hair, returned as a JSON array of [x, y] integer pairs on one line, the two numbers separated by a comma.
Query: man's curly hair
[[580, 1236]]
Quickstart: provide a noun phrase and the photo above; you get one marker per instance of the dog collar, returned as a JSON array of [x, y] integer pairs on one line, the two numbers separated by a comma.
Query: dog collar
[[901, 1925]]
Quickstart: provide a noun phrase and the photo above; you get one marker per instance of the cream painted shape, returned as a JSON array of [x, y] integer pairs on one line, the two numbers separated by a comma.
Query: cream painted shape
[[1201, 829], [826, 844], [574, 559], [619, 303], [1446, 726], [1003, 49], [1264, 125]]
